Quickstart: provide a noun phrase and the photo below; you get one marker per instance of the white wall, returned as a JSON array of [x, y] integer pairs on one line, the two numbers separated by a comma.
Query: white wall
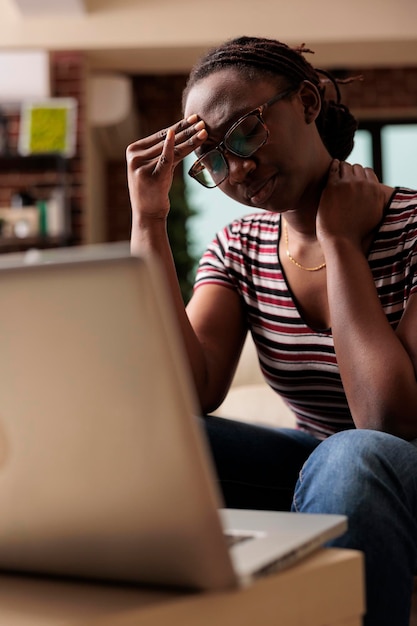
[[170, 33]]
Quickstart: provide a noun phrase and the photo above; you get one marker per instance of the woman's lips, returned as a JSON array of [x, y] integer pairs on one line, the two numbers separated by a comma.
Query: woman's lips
[[262, 194]]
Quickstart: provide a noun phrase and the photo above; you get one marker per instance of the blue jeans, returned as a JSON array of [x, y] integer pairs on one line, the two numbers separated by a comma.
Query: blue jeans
[[367, 475]]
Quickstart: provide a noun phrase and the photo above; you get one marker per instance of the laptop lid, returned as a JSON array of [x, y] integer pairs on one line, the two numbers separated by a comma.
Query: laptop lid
[[103, 472]]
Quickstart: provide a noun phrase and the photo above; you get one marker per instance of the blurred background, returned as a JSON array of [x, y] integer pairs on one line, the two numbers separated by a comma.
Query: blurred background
[[80, 79]]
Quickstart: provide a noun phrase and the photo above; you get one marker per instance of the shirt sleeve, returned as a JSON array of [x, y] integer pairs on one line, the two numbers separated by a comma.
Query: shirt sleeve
[[223, 253], [411, 245]]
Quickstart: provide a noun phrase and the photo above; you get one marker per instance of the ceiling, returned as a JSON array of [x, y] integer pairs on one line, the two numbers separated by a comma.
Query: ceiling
[[148, 36], [33, 8]]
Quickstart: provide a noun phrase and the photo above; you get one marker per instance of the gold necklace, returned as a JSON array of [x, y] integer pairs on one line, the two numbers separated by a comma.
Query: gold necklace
[[316, 268]]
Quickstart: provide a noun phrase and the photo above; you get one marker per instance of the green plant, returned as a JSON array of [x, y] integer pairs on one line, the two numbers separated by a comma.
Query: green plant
[[179, 237]]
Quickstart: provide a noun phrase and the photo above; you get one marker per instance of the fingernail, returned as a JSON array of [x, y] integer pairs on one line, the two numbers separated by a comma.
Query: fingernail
[[193, 118], [199, 125]]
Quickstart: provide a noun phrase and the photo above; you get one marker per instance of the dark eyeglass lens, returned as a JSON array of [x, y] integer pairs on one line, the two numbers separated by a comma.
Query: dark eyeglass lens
[[203, 177], [212, 170], [247, 137]]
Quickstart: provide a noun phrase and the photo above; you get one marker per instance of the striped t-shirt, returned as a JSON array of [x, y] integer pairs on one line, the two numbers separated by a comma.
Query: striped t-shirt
[[298, 361]]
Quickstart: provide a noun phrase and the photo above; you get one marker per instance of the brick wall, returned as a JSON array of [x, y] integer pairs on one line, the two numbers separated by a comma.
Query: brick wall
[[383, 89], [68, 77], [40, 176], [158, 102]]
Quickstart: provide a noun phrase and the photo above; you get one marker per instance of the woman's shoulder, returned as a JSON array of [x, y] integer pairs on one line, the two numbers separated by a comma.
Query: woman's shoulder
[[402, 197], [247, 236], [399, 223], [400, 210], [258, 222]]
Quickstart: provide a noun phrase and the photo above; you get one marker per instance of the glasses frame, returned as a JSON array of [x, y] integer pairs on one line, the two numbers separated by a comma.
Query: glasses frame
[[222, 146]]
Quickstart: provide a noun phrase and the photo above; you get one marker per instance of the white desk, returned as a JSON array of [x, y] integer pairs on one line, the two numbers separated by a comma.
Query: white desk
[[325, 589]]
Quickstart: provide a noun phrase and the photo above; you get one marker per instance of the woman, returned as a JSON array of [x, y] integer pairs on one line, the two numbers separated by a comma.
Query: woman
[[324, 279]]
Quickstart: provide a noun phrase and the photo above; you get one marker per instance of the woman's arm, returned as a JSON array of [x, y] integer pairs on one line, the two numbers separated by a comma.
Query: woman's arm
[[377, 364], [214, 330]]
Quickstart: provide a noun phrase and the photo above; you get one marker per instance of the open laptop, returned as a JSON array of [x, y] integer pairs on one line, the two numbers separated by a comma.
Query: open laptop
[[104, 472]]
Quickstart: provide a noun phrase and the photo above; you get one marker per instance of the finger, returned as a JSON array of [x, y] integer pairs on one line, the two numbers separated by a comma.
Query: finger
[[334, 170], [346, 169], [166, 159], [187, 138], [358, 170], [173, 152], [190, 139], [151, 147], [145, 143], [364, 172], [185, 131], [370, 174], [145, 150]]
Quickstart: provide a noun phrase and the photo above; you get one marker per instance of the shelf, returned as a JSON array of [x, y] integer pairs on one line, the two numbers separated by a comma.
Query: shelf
[[10, 162], [14, 244]]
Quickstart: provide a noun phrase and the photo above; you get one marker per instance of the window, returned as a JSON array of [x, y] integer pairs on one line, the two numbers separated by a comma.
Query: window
[[399, 154], [362, 150], [390, 147]]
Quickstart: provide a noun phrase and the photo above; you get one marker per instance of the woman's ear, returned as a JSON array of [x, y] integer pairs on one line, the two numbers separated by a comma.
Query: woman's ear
[[311, 101]]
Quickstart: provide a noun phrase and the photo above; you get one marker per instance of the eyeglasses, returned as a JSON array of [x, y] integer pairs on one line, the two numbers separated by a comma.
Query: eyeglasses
[[242, 139]]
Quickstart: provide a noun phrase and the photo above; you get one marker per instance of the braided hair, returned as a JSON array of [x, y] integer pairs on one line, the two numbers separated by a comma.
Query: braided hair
[[254, 57]]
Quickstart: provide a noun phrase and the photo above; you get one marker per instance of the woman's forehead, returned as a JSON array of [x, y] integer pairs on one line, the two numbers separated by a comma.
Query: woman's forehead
[[224, 94]]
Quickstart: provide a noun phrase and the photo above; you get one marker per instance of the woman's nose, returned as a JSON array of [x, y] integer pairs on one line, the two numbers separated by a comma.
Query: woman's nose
[[239, 168]]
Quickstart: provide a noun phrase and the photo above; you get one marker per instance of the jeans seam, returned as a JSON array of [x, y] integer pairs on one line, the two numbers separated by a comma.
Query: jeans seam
[[299, 483]]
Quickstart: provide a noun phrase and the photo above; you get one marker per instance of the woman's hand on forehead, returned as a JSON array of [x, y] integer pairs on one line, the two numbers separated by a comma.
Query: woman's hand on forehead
[[151, 162], [187, 135]]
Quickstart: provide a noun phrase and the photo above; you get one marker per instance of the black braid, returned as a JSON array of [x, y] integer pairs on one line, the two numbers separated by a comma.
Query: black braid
[[255, 56]]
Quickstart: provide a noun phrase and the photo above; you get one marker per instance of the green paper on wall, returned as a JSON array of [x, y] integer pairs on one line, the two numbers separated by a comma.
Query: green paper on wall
[[48, 127]]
